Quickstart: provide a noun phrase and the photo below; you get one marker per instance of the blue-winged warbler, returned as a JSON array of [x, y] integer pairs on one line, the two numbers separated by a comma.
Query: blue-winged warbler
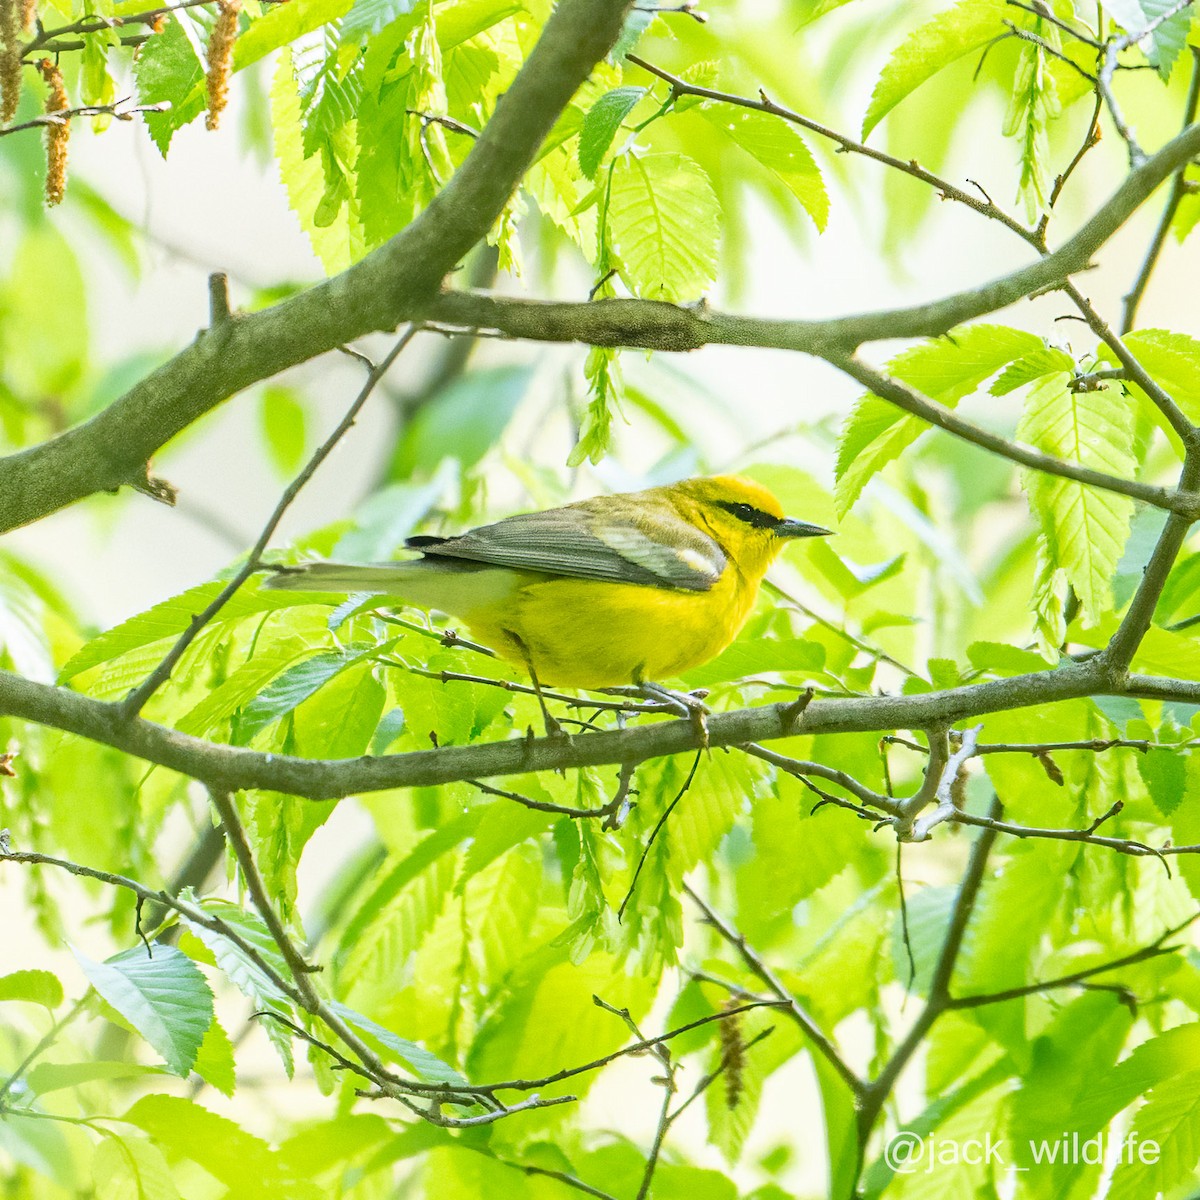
[[620, 589]]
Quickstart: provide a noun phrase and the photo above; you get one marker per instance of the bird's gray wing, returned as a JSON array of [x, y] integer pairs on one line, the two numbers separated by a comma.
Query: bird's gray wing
[[582, 543]]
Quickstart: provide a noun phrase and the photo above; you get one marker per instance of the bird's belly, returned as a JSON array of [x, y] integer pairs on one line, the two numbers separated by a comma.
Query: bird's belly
[[587, 633]]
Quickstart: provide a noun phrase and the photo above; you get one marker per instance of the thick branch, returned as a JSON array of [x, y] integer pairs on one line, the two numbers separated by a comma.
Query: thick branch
[[399, 280], [234, 768], [900, 394], [395, 281]]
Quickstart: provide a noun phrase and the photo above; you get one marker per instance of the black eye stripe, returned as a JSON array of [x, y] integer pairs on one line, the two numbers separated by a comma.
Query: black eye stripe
[[750, 514]]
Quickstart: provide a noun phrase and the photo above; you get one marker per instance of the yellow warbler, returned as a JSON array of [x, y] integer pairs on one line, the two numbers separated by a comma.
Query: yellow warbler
[[620, 589]]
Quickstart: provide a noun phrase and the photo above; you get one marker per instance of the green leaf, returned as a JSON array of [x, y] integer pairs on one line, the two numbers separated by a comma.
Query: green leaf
[[283, 424], [1084, 528], [53, 1077], [758, 655], [368, 17], [967, 26], [1166, 40], [339, 720], [1046, 360], [602, 369], [242, 1162], [1164, 772], [170, 618], [165, 998], [284, 694], [37, 987], [779, 148], [601, 123], [1169, 1123], [424, 1065], [1172, 360], [945, 370], [214, 1063], [131, 1169], [663, 218], [463, 422], [318, 187], [244, 973], [168, 69]]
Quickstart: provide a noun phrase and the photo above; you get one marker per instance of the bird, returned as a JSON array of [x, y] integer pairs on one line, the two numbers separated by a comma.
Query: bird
[[618, 591]]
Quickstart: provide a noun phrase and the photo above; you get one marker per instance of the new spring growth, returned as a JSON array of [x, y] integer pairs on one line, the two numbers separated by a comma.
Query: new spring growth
[[733, 1055], [220, 59], [11, 12], [58, 134]]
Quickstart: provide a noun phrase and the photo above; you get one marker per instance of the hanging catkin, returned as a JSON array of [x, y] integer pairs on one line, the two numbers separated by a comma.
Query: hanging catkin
[[220, 59], [58, 135]]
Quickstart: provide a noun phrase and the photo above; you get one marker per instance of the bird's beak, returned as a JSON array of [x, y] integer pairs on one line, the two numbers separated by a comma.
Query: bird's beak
[[789, 528]]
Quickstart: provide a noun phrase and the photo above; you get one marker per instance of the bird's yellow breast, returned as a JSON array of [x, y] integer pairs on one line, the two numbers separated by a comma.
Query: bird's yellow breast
[[589, 633]]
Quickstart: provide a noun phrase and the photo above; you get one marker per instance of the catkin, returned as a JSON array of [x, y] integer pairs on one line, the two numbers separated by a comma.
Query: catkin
[[220, 59], [58, 135], [27, 11], [10, 59], [733, 1056]]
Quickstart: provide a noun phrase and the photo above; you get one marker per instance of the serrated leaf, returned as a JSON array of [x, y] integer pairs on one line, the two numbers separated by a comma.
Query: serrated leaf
[[602, 369], [778, 147], [244, 973], [131, 1169], [368, 17], [319, 191], [165, 998], [170, 618], [945, 370], [600, 125], [167, 69], [242, 1162], [757, 655], [967, 26], [1164, 772], [1029, 367], [427, 1067], [663, 219], [1169, 1121], [1084, 528], [214, 1063], [285, 693], [1172, 360], [36, 987]]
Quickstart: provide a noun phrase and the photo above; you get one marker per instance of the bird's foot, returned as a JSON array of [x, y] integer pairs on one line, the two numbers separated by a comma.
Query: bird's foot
[[687, 704], [555, 730]]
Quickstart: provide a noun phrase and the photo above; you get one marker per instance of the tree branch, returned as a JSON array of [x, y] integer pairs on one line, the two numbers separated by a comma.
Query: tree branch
[[392, 284], [900, 394], [136, 700], [1134, 296], [235, 768]]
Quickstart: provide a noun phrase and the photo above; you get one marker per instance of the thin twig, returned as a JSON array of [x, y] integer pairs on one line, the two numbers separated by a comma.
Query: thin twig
[[662, 820], [800, 767], [1154, 950], [1133, 297], [192, 912], [638, 1047], [899, 393], [122, 109], [136, 700], [784, 998], [873, 1093]]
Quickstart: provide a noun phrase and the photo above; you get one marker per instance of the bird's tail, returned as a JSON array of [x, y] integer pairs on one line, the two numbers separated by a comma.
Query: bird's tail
[[392, 578]]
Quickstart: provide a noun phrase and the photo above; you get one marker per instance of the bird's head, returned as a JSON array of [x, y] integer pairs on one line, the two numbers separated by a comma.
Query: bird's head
[[746, 518]]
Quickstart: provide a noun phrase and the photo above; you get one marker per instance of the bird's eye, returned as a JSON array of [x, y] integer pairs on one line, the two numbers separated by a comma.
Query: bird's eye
[[751, 515]]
